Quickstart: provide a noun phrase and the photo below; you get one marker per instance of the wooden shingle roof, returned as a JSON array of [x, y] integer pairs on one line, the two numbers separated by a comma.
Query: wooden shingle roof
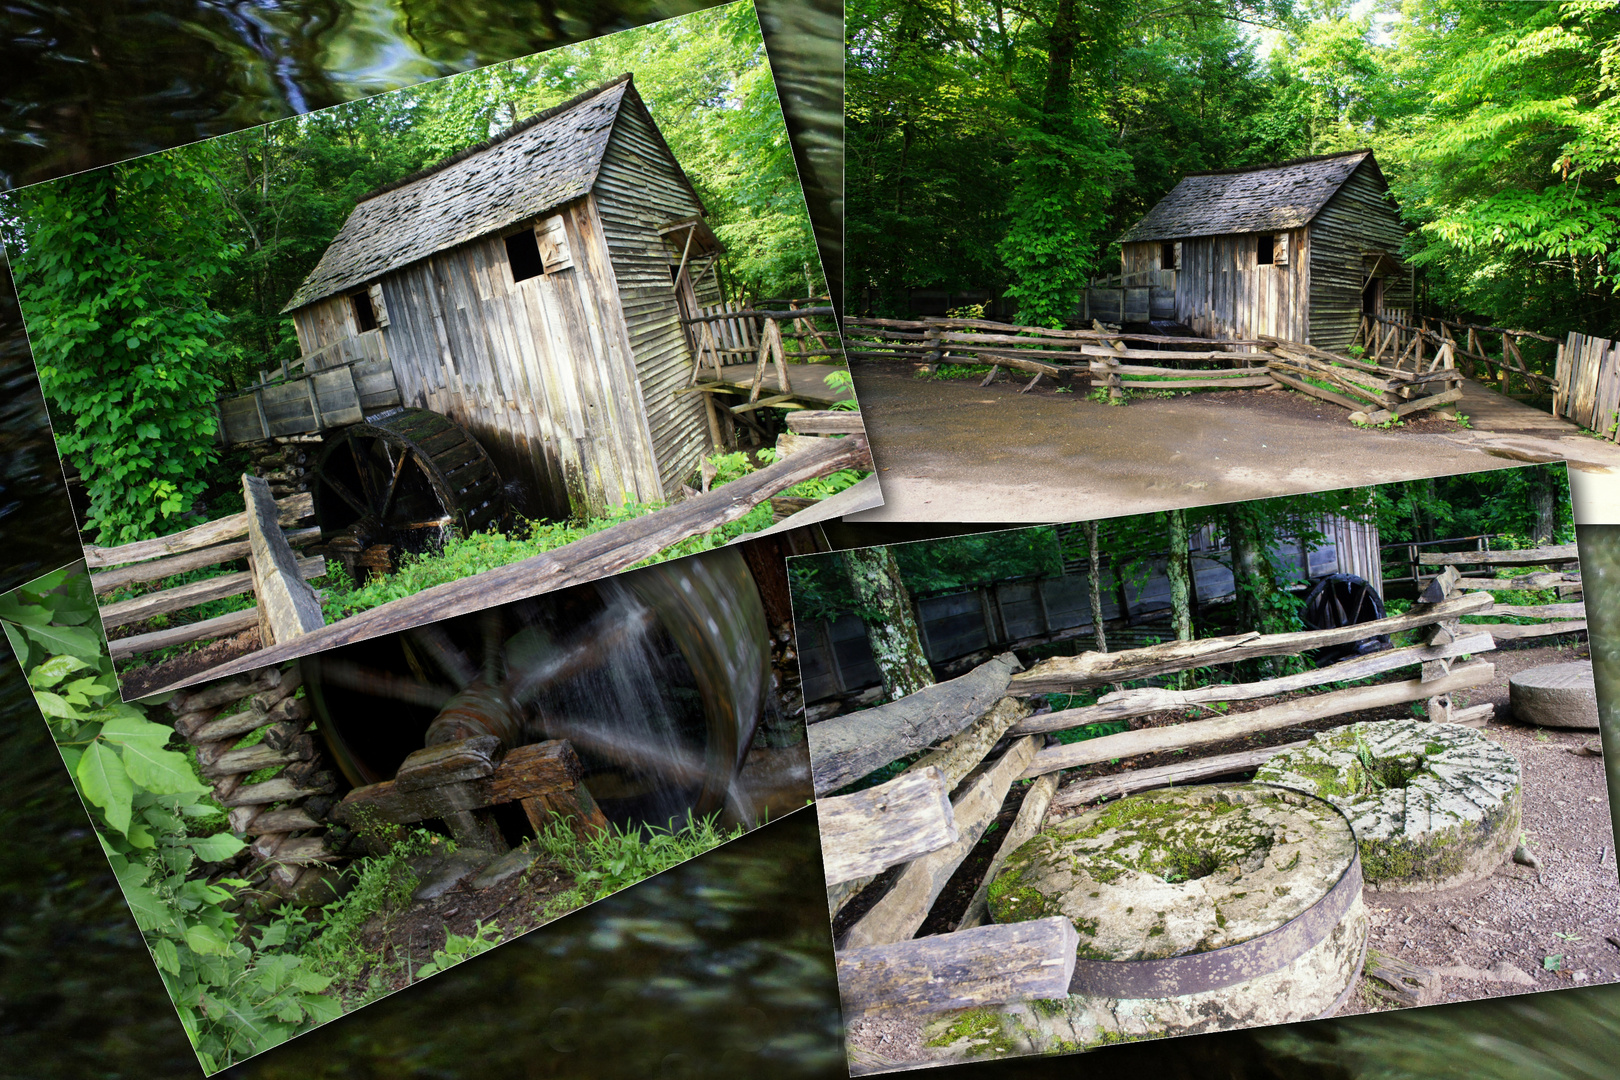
[[1268, 199], [537, 165]]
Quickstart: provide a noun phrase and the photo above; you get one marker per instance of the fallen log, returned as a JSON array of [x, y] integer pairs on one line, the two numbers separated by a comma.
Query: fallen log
[[988, 965], [1084, 792], [868, 832], [846, 748], [1271, 718], [1123, 704], [1031, 813], [905, 906], [607, 552], [1061, 674]]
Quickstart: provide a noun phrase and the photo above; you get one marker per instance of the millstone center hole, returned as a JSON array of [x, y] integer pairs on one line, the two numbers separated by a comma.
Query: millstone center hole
[[1396, 772], [1188, 864]]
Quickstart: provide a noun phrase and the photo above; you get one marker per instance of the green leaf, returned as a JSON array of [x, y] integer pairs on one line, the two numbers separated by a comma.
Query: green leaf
[[1553, 962], [322, 1009], [53, 705], [104, 782], [67, 639], [166, 955], [216, 848], [150, 912], [206, 940], [164, 772], [55, 670], [139, 836]]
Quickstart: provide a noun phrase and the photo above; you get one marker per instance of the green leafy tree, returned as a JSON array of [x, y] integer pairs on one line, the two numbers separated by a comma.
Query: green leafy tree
[[112, 274]]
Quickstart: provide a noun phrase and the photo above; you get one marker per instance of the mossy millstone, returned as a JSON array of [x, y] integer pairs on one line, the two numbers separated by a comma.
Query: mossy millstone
[[1555, 695], [1243, 900], [1434, 806]]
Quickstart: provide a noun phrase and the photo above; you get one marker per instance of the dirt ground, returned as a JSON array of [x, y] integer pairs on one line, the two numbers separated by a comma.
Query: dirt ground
[[1490, 939], [950, 450], [143, 680]]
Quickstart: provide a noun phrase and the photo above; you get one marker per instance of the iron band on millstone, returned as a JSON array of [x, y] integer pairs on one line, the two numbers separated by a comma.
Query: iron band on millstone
[[1194, 973]]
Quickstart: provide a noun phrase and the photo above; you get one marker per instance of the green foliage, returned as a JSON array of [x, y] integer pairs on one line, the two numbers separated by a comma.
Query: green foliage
[[1529, 502], [458, 947], [839, 382], [956, 371], [235, 997], [618, 857], [113, 272]]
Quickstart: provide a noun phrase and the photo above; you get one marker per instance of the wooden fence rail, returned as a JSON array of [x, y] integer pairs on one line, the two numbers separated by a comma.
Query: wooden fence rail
[[1384, 338]]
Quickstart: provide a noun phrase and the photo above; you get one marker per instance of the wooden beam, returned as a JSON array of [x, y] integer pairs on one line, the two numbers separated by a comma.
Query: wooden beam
[[1559, 553], [1516, 632], [1084, 792], [595, 556], [1031, 814], [1540, 579], [826, 422], [961, 753], [1063, 674], [449, 763], [1576, 610], [846, 748], [1271, 718], [232, 622], [905, 906], [1123, 704], [291, 510], [286, 602], [525, 772], [988, 965], [869, 831]]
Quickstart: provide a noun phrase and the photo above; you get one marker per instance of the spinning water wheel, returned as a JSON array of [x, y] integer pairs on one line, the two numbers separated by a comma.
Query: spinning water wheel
[[657, 679], [399, 483]]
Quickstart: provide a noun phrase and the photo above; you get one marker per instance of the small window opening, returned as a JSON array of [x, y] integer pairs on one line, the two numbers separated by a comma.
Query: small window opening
[[523, 253], [1265, 249], [674, 273], [1167, 257], [365, 316]]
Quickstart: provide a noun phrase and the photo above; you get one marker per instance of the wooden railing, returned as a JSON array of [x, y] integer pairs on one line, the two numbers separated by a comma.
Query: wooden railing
[[1566, 617], [1395, 341], [255, 534]]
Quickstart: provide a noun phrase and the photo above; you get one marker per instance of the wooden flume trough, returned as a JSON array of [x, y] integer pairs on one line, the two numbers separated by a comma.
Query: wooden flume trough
[[912, 821]]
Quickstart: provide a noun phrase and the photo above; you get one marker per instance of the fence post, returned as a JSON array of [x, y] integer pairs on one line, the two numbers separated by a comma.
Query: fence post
[[288, 607]]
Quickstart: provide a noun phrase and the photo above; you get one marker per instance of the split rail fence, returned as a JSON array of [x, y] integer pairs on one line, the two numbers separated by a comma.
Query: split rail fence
[[285, 605], [927, 820], [1372, 392], [1397, 341]]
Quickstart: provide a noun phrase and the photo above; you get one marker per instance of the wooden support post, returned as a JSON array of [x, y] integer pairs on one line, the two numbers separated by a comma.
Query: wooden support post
[[575, 807], [287, 605]]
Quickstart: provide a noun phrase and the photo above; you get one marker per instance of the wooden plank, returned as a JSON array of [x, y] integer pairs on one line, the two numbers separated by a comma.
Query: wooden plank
[[905, 906], [1143, 701], [233, 622], [290, 511], [525, 772], [1031, 814], [1063, 674], [1084, 792], [1318, 392], [846, 748], [961, 753], [449, 763], [595, 556], [1528, 557], [1271, 718], [285, 599], [1516, 632], [140, 608], [1201, 384], [988, 965], [1539, 579], [826, 422], [871, 830], [1542, 611]]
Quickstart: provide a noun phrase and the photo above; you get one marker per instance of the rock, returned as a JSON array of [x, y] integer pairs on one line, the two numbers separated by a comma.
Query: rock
[[1555, 695], [1434, 806], [1525, 857], [508, 866], [1502, 971], [437, 873]]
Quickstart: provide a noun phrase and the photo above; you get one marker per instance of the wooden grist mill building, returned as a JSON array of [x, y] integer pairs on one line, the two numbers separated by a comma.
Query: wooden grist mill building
[[1298, 250], [530, 289]]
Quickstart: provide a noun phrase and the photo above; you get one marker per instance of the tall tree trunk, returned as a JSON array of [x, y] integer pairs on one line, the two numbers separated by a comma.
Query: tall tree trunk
[[1243, 536], [1096, 588], [1180, 573], [884, 606], [1544, 497]]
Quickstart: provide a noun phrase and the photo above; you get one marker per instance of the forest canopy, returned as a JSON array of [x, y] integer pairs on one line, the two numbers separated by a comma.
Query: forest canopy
[[151, 286], [1001, 147]]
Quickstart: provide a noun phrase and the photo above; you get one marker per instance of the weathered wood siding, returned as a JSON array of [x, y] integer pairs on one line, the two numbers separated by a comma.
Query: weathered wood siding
[[1358, 219], [324, 323], [539, 371], [1222, 292], [639, 189]]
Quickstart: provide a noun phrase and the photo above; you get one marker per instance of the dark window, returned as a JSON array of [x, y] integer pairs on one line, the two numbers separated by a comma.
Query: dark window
[[365, 317], [674, 273], [1167, 256], [523, 252], [1265, 249]]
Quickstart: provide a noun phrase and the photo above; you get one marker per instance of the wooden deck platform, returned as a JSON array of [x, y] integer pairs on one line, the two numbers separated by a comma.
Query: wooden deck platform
[[807, 382]]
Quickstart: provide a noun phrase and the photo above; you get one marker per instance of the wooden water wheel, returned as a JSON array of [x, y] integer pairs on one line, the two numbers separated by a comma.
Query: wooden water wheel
[[400, 482], [657, 680]]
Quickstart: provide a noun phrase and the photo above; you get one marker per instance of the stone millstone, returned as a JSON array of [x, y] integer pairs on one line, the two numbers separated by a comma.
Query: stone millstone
[[1176, 873], [1555, 695], [1434, 806]]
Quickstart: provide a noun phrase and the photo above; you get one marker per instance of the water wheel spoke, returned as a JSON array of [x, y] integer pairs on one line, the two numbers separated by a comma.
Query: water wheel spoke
[[393, 485], [493, 627], [451, 660], [341, 490], [607, 631], [675, 766], [385, 684], [362, 466]]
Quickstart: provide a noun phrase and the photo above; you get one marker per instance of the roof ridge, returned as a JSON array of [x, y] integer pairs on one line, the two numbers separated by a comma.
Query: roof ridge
[[516, 129], [1280, 164]]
